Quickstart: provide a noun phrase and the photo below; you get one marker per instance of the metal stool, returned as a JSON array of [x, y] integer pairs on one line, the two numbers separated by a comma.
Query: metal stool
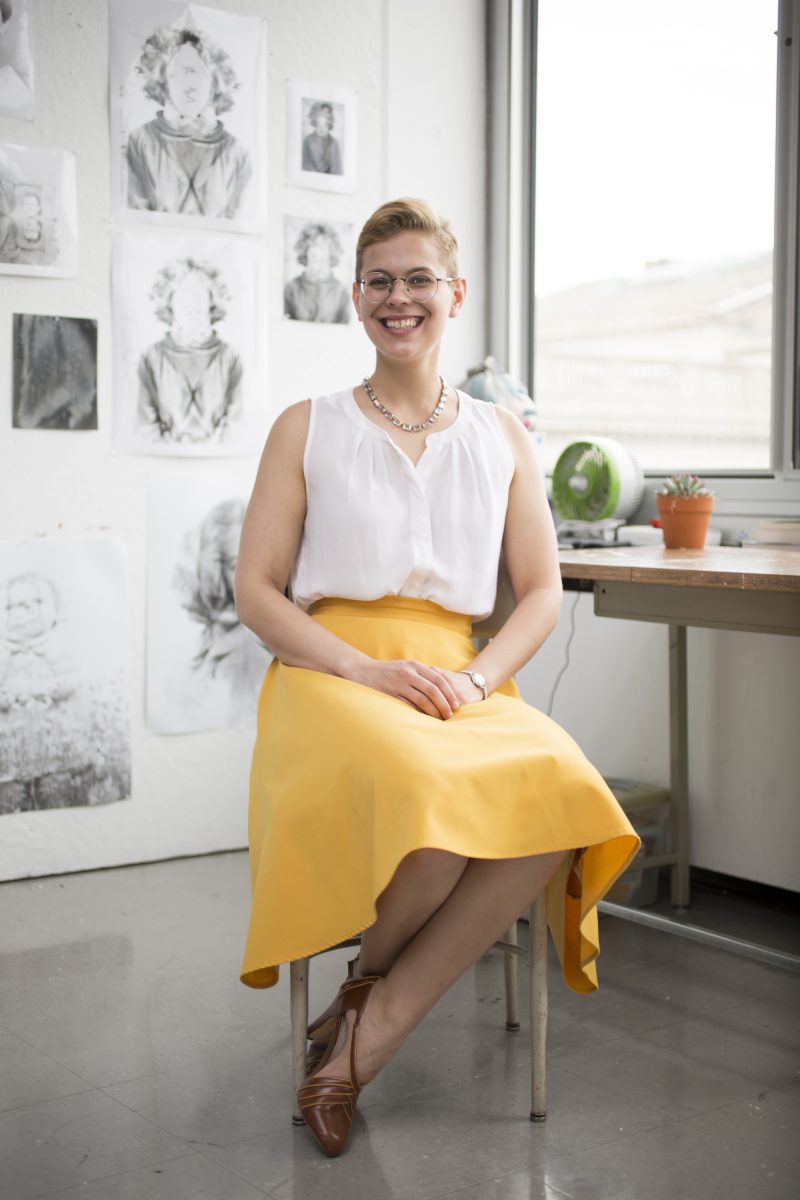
[[537, 976]]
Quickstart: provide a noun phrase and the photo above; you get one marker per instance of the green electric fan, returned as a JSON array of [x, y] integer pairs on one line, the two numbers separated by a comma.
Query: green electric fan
[[596, 480]]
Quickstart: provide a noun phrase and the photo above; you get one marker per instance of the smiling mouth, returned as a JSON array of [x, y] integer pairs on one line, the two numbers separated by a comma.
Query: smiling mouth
[[401, 322]]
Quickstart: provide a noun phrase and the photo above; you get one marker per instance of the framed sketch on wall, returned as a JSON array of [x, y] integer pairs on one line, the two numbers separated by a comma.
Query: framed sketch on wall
[[188, 114], [54, 381], [204, 668], [38, 211], [64, 739], [321, 136], [318, 259], [187, 344], [16, 67]]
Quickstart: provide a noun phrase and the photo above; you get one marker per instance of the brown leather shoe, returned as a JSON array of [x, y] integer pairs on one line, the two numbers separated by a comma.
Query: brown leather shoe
[[328, 1104], [315, 1054]]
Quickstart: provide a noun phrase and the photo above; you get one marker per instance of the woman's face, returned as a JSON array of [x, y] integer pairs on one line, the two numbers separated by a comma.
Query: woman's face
[[191, 304], [189, 83], [400, 327]]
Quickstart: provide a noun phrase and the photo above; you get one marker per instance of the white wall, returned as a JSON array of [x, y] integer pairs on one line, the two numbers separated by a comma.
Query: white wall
[[744, 704], [418, 68], [421, 129]]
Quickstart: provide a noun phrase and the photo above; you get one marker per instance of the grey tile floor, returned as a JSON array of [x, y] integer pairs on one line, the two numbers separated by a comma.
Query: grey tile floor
[[134, 1066]]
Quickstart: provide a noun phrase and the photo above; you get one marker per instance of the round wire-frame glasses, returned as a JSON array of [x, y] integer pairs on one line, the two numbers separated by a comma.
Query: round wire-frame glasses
[[419, 285]]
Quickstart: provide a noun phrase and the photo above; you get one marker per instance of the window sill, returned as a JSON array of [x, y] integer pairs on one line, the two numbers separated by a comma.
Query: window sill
[[742, 500]]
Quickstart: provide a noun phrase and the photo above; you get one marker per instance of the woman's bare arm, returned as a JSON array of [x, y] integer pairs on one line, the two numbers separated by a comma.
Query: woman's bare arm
[[271, 533], [531, 554]]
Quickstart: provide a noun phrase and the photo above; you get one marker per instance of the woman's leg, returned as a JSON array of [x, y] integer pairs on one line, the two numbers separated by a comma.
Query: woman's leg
[[420, 885], [488, 897]]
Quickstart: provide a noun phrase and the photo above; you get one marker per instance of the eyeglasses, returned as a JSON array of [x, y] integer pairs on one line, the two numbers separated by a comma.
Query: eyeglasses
[[420, 285]]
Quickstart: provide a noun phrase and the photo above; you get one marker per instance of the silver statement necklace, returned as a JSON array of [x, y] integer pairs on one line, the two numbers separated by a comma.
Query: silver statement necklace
[[398, 424]]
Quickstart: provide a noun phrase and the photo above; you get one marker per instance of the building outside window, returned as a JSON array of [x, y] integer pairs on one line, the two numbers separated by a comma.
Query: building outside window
[[654, 225]]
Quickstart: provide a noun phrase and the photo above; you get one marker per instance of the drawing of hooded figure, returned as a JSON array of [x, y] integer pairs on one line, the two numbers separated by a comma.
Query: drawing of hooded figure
[[227, 651], [185, 160], [190, 381], [61, 736]]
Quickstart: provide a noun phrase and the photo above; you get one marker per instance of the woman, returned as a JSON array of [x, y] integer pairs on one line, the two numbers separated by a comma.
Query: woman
[[185, 160], [316, 294], [400, 786]]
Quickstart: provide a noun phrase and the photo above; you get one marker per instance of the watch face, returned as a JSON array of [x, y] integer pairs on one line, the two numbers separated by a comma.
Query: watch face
[[478, 679]]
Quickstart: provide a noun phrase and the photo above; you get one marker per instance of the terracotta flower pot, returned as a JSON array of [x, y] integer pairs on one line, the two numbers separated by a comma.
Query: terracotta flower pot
[[684, 520]]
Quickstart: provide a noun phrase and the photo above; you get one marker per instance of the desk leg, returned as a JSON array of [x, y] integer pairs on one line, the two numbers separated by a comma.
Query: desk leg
[[679, 763]]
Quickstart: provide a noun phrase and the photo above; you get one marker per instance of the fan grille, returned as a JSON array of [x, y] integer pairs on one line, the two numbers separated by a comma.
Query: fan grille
[[585, 485]]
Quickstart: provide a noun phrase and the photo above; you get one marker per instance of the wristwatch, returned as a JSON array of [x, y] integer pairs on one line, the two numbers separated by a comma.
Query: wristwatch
[[478, 679]]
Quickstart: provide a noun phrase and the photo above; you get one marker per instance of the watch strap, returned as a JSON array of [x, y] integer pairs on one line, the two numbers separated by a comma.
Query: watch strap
[[477, 679]]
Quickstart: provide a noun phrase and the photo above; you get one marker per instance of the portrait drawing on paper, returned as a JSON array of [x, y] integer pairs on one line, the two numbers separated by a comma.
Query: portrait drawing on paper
[[190, 380], [63, 703], [316, 257]]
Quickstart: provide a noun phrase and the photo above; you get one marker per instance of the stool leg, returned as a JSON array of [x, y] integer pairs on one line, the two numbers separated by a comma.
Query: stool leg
[[537, 967], [512, 989], [298, 1004]]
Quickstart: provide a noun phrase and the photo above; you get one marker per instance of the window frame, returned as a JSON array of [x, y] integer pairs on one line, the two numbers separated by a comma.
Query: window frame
[[512, 58]]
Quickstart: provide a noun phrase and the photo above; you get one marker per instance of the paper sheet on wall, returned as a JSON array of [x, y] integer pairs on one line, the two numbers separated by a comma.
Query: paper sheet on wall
[[38, 211], [188, 348], [64, 737], [321, 136], [204, 668], [54, 380], [188, 115], [16, 65], [318, 256]]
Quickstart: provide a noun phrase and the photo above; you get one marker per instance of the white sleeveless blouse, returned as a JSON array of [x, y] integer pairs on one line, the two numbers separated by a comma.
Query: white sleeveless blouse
[[376, 525]]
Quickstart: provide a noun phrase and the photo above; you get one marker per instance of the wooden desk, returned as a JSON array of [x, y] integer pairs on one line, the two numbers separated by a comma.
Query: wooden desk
[[722, 587]]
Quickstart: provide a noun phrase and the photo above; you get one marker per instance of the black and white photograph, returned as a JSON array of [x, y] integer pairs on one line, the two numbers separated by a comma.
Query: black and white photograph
[[204, 668], [64, 705], [321, 136], [187, 359], [188, 114], [16, 65], [38, 211], [317, 267], [54, 381]]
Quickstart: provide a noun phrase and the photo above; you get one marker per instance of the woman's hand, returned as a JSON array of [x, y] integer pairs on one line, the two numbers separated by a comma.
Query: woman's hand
[[432, 690], [466, 691]]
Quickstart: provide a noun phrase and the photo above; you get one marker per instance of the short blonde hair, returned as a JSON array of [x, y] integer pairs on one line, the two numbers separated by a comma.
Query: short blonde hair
[[402, 216]]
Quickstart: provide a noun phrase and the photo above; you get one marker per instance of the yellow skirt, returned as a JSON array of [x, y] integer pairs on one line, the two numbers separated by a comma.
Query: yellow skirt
[[347, 781]]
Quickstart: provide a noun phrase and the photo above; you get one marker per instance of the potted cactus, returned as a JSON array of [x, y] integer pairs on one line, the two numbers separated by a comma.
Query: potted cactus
[[685, 505]]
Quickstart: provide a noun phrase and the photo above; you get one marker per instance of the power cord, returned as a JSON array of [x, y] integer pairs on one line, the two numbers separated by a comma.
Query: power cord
[[570, 636]]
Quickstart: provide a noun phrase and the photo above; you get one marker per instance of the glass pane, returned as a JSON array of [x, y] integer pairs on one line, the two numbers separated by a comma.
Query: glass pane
[[654, 228]]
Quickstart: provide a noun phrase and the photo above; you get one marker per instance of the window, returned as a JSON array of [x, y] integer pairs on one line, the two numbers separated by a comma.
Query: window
[[655, 209]]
